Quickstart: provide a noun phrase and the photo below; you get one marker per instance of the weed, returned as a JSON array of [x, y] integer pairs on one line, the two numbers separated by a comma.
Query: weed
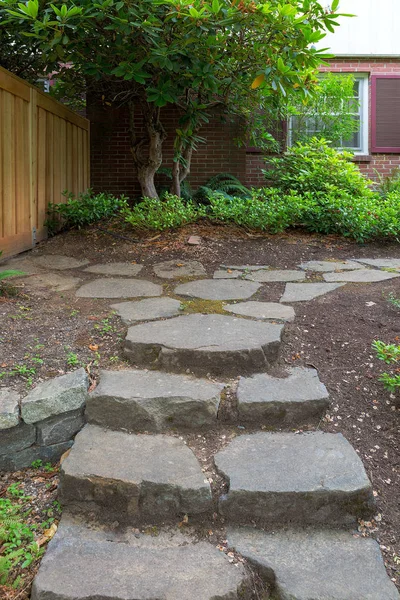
[[104, 327], [393, 300], [389, 354], [71, 358], [37, 464]]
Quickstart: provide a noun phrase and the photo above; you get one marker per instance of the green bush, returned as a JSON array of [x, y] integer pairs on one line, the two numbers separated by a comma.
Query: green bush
[[316, 167], [159, 214], [389, 354], [87, 208]]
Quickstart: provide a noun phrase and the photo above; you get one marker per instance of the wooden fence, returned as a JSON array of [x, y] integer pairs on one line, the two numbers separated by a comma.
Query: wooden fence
[[44, 150]]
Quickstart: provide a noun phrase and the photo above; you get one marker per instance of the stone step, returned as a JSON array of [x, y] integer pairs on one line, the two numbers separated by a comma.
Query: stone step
[[133, 478], [137, 400], [211, 343], [287, 478], [316, 565], [83, 562], [295, 400]]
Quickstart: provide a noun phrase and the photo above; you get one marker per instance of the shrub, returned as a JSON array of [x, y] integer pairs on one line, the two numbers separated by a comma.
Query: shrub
[[390, 183], [159, 214], [316, 167], [224, 183], [87, 208]]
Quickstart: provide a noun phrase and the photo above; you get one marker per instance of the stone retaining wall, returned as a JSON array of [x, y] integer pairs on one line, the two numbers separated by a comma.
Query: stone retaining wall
[[42, 425]]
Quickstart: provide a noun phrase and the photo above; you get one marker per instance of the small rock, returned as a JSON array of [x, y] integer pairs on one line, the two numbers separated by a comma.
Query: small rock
[[9, 408], [194, 240]]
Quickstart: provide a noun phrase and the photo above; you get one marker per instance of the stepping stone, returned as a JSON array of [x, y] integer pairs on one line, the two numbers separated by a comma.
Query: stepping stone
[[262, 310], [297, 399], [117, 268], [147, 310], [223, 289], [277, 275], [9, 408], [231, 274], [82, 562], [119, 288], [211, 343], [153, 401], [58, 262], [245, 267], [59, 283], [176, 269], [302, 292], [133, 478], [55, 397], [286, 478], [328, 266], [316, 565], [381, 263], [361, 276]]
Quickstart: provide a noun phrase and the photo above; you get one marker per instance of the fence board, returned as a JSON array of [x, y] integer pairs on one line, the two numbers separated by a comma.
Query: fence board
[[44, 150]]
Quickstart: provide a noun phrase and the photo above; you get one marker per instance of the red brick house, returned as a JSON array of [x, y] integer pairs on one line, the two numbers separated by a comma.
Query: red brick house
[[366, 45]]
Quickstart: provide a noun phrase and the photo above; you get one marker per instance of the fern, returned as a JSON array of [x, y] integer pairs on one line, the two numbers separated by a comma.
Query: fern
[[223, 183]]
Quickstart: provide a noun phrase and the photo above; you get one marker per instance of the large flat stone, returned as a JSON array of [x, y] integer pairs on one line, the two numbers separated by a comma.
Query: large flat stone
[[244, 268], [9, 408], [82, 562], [227, 274], [55, 397], [361, 276], [133, 478], [148, 309], [204, 343], [153, 401], [17, 438], [54, 281], [119, 288], [14, 461], [116, 268], [328, 266], [380, 263], [276, 275], [268, 311], [316, 565], [59, 428], [295, 400], [218, 289], [302, 292], [58, 262], [287, 478], [176, 269]]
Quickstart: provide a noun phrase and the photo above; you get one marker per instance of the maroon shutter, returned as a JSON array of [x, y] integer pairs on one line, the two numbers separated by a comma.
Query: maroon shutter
[[385, 109]]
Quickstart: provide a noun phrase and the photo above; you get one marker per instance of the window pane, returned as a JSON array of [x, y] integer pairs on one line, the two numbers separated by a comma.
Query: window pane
[[355, 140]]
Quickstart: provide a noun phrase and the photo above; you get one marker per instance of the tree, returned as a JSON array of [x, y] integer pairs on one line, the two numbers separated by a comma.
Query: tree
[[329, 113], [238, 56]]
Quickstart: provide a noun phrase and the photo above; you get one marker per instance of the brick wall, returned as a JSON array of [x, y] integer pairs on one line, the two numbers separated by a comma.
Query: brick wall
[[112, 167]]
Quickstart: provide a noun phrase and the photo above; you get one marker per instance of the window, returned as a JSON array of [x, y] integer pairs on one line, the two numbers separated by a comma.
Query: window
[[385, 111], [358, 142]]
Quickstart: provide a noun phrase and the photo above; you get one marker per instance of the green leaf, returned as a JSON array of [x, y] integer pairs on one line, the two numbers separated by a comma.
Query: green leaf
[[334, 5]]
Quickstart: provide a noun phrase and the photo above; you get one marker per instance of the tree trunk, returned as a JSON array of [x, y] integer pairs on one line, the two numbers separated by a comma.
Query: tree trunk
[[176, 184], [147, 152], [180, 172]]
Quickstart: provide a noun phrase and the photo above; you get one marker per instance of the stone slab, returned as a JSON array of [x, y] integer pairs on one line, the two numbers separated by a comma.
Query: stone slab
[[316, 565], [119, 288], [153, 401], [218, 344], [176, 269], [17, 438], [287, 478], [328, 266], [9, 408], [115, 268], [59, 262], [20, 263], [225, 274], [54, 281], [302, 292], [59, 428], [55, 396], [295, 400], [133, 478], [380, 263], [82, 562], [245, 267], [24, 458], [276, 275], [218, 289], [268, 311], [148, 309], [361, 276]]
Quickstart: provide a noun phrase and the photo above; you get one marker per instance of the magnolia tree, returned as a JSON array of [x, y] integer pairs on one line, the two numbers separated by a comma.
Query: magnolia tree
[[240, 57]]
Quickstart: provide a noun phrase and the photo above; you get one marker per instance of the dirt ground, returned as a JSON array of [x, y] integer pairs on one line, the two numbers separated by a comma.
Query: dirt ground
[[44, 334]]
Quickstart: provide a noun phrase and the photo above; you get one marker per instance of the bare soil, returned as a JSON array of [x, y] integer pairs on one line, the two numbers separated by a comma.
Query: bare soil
[[52, 332]]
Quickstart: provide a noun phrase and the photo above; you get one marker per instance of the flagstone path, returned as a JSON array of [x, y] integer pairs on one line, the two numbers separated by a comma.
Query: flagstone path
[[300, 493]]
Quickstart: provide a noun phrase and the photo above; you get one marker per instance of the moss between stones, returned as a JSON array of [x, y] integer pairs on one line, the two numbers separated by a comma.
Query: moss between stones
[[198, 305]]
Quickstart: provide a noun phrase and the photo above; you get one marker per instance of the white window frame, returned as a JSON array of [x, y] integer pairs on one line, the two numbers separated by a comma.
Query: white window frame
[[364, 117]]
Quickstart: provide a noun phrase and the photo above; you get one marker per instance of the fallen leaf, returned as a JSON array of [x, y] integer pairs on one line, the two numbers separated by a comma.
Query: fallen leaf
[[93, 347]]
